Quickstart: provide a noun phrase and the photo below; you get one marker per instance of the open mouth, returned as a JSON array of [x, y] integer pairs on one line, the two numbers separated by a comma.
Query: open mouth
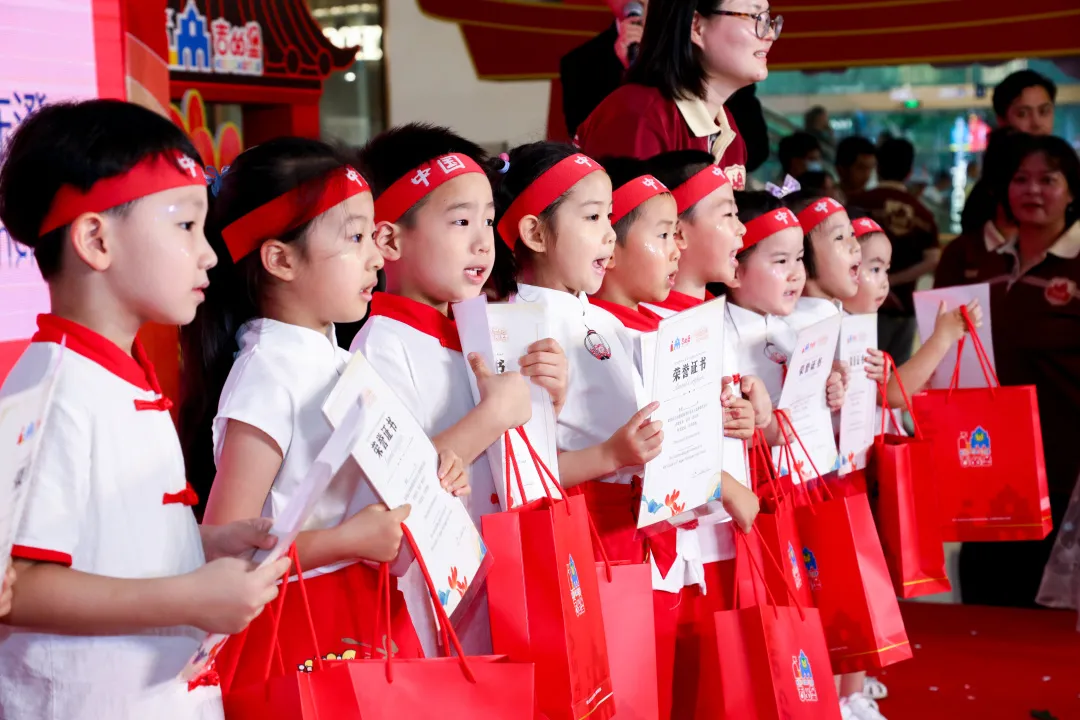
[[367, 293], [762, 54], [791, 293], [854, 272], [734, 260], [600, 264], [671, 279], [475, 274]]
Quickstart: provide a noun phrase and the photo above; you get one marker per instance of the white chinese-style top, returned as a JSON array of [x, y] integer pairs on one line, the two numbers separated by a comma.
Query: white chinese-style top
[[108, 496], [601, 395], [761, 345], [278, 383]]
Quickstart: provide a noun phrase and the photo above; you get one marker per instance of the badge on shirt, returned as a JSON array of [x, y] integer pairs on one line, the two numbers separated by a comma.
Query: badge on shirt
[[1060, 291]]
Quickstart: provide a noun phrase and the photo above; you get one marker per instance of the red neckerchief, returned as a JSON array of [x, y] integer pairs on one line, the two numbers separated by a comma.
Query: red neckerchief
[[135, 369], [678, 301], [641, 319], [416, 315]]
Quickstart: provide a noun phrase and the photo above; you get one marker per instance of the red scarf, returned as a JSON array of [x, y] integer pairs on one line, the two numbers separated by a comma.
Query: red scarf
[[641, 319], [678, 301], [418, 316]]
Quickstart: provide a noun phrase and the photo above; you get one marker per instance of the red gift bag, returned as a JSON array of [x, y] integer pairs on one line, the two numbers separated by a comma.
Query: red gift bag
[[768, 662], [626, 595], [902, 473], [849, 578], [776, 527], [987, 454], [544, 603]]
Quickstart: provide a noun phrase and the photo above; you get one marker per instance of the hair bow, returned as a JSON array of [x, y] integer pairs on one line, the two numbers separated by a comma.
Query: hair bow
[[790, 185], [213, 178], [506, 163]]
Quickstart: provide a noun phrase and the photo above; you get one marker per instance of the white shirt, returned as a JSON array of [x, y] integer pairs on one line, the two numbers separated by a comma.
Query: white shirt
[[279, 381], [96, 504], [601, 395], [756, 338]]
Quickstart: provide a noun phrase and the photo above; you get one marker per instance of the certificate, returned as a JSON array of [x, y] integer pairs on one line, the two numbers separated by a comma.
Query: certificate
[[682, 365], [290, 522], [402, 467], [857, 426], [803, 397], [926, 309], [501, 334]]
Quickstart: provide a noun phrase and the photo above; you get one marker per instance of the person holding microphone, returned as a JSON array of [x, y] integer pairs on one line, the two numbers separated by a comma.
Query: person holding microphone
[[592, 71], [694, 55]]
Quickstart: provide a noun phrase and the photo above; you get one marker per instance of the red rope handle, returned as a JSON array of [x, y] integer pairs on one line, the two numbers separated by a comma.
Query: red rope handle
[[779, 568], [821, 487], [883, 388], [276, 623]]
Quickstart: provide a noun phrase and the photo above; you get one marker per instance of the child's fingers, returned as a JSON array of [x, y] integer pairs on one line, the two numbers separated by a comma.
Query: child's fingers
[[651, 430], [446, 464], [547, 345], [638, 419], [542, 358]]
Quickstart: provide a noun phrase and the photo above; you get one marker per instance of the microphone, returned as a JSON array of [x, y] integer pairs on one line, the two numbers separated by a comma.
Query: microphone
[[633, 10]]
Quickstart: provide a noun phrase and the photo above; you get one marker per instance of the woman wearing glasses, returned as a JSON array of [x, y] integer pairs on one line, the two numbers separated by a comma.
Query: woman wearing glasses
[[695, 54]]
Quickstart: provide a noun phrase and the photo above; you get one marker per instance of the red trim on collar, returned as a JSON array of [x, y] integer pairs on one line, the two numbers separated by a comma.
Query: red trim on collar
[[135, 368], [642, 319], [418, 316], [678, 301]]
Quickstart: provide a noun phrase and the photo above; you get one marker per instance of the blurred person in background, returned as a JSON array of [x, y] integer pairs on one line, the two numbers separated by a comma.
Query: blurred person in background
[[819, 183], [937, 197], [856, 164], [799, 153], [816, 122], [1025, 101]]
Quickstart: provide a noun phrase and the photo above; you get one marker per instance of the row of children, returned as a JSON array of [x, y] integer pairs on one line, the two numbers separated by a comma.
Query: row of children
[[114, 574]]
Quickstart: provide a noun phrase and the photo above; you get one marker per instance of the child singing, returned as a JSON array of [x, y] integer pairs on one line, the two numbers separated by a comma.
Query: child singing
[[113, 579]]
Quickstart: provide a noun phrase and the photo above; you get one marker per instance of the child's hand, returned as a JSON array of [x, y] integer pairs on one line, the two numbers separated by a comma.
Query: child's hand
[[740, 502], [228, 593], [738, 416], [237, 539], [875, 365], [754, 390], [7, 589], [375, 533], [839, 366], [638, 441], [508, 394], [950, 325], [453, 476], [834, 391], [546, 365]]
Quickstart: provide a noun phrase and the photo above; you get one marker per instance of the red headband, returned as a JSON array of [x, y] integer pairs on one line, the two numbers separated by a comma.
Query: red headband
[[865, 226], [419, 183], [153, 174], [697, 188], [633, 194], [543, 191], [294, 208], [768, 224], [814, 215]]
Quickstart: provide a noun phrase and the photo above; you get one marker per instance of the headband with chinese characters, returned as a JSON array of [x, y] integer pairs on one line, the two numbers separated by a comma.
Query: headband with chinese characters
[[153, 174], [300, 205], [768, 224], [698, 187], [816, 214], [865, 226], [543, 191], [633, 194], [419, 183]]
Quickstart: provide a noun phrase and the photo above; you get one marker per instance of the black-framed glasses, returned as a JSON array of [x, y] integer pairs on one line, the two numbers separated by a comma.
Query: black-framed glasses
[[763, 22]]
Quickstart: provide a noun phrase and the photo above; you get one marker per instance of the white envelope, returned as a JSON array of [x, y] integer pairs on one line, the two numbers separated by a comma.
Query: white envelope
[[857, 426], [926, 309]]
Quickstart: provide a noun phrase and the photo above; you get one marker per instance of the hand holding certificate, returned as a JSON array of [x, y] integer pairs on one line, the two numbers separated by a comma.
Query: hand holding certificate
[[927, 303], [803, 397], [682, 365], [858, 333]]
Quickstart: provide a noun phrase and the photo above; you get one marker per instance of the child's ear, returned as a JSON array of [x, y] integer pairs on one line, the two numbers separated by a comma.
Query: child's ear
[[388, 240], [279, 259], [89, 239], [531, 233]]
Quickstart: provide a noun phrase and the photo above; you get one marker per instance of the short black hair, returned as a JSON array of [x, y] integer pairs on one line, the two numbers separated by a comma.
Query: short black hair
[[1060, 156], [74, 143], [676, 167], [813, 114], [797, 145], [895, 159], [526, 164], [623, 170], [389, 156], [667, 59], [815, 181], [1012, 87], [851, 149]]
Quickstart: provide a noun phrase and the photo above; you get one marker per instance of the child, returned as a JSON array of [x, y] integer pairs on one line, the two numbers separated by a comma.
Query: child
[[873, 291], [111, 567], [296, 223], [434, 214]]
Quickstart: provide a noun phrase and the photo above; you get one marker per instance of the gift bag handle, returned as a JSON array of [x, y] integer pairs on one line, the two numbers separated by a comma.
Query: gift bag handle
[[275, 624], [508, 451], [822, 489], [761, 574], [987, 368], [883, 389], [760, 448]]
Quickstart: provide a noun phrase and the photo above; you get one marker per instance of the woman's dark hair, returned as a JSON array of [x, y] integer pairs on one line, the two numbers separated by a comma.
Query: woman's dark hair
[[622, 170], [389, 156], [527, 163], [797, 202], [668, 60], [74, 144], [752, 205], [208, 344], [983, 201], [676, 167], [1059, 155]]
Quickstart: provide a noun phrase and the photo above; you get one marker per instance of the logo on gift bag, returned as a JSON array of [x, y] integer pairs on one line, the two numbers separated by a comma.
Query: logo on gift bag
[[811, 568], [575, 587], [804, 677], [794, 566], [974, 449]]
